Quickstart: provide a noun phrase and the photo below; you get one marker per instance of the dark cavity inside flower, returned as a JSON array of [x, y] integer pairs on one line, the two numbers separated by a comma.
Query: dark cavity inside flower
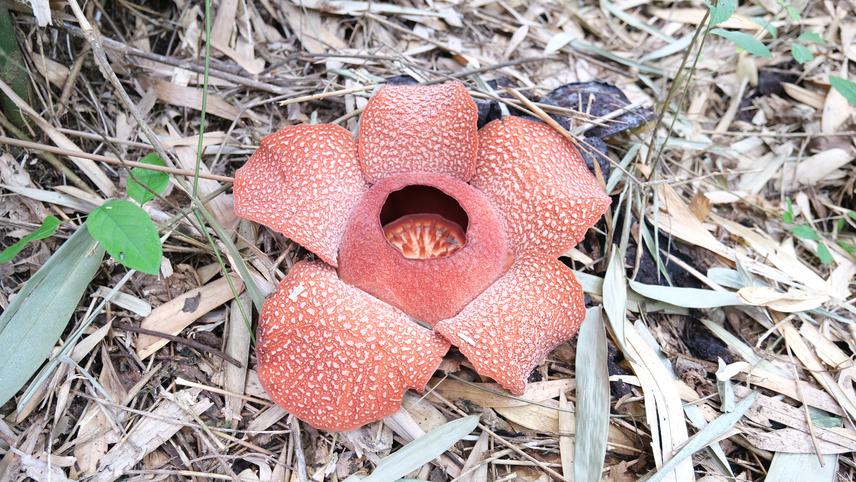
[[423, 222]]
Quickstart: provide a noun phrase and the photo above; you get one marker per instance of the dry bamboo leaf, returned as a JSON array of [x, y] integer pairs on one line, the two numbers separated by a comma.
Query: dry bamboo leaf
[[566, 442], [307, 25], [474, 470], [801, 94], [545, 418], [770, 250], [817, 370], [825, 348], [238, 338], [191, 98], [150, 433], [97, 432], [174, 316], [491, 395], [695, 16], [836, 111], [791, 302], [682, 224], [819, 167], [663, 407], [796, 441], [124, 300]]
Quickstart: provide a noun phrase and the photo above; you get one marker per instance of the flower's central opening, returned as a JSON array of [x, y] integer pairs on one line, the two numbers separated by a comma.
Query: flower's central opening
[[423, 222]]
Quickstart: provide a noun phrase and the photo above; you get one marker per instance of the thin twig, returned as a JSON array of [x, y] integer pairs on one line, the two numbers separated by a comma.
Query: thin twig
[[109, 160]]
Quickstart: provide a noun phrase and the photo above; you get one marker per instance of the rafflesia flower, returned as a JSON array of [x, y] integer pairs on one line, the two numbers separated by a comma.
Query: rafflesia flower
[[429, 232]]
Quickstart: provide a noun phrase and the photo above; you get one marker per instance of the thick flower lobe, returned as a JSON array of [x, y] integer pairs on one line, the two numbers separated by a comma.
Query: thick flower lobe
[[412, 128], [335, 356], [429, 289], [512, 327], [303, 181], [538, 179]]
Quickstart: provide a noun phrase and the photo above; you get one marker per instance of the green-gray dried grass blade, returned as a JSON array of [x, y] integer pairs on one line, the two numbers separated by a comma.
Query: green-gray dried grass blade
[[36, 317], [715, 429], [421, 451], [592, 399], [788, 467], [687, 297]]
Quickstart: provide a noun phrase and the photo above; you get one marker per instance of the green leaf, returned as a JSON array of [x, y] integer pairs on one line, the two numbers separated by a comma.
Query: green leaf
[[744, 41], [852, 215], [128, 234], [804, 231], [769, 27], [154, 180], [801, 53], [824, 254], [592, 399], [34, 320], [12, 68], [722, 11], [849, 247], [421, 451], [788, 215], [793, 13], [47, 229], [844, 87], [811, 37]]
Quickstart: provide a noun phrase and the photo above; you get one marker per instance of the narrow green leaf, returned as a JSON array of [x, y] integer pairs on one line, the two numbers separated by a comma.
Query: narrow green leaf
[[849, 247], [592, 399], [12, 68], [769, 27], [32, 323], [421, 451], [686, 297], [744, 41], [788, 215], [128, 234], [824, 254], [703, 438], [804, 231], [801, 53], [852, 215], [812, 37], [722, 11], [154, 180], [46, 230], [844, 87], [793, 13]]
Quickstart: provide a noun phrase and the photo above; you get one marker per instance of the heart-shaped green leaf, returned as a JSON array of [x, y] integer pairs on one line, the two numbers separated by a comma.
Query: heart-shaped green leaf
[[128, 234]]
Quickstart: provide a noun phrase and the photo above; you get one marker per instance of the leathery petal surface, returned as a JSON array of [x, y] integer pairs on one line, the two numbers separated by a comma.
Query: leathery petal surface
[[303, 181], [514, 324], [337, 357]]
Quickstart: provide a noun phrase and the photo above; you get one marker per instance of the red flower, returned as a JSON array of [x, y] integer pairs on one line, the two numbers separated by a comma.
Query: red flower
[[431, 232]]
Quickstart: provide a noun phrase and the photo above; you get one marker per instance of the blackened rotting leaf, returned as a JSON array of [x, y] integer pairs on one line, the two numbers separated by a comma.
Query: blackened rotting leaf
[[489, 109], [598, 99], [401, 80], [192, 303], [594, 149], [618, 388], [703, 344]]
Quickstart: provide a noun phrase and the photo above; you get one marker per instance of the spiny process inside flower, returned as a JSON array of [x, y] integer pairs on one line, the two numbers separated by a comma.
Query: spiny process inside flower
[[423, 222], [425, 236]]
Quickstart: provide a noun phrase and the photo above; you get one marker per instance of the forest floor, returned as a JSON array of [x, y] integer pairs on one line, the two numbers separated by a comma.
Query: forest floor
[[729, 155]]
